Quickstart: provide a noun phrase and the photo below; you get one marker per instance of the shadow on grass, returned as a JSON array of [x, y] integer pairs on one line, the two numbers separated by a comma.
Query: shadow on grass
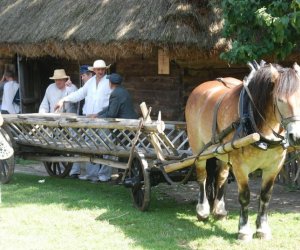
[[175, 223]]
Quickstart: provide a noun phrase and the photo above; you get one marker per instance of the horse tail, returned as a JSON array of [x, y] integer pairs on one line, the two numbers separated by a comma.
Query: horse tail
[[212, 170]]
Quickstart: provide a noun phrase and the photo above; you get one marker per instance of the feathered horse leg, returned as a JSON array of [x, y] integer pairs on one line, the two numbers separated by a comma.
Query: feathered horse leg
[[245, 233], [202, 209]]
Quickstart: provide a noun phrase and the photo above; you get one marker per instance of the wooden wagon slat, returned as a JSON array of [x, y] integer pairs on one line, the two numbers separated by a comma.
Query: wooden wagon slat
[[15, 131], [32, 131], [88, 136], [106, 137], [78, 135], [123, 124], [47, 133]]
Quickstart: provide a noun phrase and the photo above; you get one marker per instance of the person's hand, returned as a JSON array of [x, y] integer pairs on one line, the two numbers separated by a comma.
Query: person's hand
[[58, 106], [68, 83]]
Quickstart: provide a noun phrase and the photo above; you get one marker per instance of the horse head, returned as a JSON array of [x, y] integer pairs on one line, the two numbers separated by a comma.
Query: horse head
[[287, 101]]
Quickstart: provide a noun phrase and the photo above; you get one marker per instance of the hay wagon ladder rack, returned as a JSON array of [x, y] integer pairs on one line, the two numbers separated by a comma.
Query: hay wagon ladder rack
[[58, 140]]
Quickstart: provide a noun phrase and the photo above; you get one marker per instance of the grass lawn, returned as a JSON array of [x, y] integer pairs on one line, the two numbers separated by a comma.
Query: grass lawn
[[71, 214]]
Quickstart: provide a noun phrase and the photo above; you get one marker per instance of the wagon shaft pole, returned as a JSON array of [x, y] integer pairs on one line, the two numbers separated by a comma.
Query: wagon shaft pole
[[212, 151]]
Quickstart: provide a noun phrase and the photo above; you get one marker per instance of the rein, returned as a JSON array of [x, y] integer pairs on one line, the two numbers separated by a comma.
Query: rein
[[261, 116], [286, 120]]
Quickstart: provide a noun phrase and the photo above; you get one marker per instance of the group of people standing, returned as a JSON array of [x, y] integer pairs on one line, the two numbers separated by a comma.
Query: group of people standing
[[104, 97]]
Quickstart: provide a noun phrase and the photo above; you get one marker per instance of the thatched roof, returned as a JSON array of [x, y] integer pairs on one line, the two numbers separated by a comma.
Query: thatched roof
[[79, 29]]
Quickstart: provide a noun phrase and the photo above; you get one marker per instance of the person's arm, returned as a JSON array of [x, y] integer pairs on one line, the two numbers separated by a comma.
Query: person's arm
[[75, 96], [114, 106], [44, 107], [103, 113]]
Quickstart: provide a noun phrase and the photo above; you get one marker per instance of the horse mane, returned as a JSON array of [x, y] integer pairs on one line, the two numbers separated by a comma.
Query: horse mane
[[288, 84], [261, 88]]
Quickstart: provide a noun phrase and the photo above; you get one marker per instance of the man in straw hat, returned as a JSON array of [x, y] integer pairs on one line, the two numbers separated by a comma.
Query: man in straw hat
[[96, 92], [56, 91]]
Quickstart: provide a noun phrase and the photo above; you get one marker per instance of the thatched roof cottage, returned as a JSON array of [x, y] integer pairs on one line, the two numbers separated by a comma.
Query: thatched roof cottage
[[163, 48]]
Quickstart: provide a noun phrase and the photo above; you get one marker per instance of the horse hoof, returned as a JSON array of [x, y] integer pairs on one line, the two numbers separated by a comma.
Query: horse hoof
[[202, 211], [202, 218], [220, 216], [244, 237], [264, 235]]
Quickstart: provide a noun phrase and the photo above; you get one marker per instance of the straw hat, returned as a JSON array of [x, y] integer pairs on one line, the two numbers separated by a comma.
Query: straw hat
[[99, 64], [59, 74]]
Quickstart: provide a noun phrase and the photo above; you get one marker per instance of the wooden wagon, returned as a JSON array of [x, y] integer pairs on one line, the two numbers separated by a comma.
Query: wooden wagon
[[154, 151]]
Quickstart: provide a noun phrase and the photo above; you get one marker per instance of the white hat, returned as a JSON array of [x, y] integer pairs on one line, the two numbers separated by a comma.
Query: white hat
[[59, 74], [99, 64]]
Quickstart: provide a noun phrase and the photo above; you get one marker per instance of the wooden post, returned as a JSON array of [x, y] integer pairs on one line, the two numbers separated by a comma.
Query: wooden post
[[21, 81], [163, 62], [152, 136]]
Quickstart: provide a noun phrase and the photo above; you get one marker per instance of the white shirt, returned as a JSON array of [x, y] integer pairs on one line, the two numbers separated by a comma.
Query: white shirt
[[53, 94], [96, 96], [9, 91]]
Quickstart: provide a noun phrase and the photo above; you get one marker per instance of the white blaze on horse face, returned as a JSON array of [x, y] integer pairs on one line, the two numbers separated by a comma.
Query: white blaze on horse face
[[293, 128], [293, 131], [290, 108]]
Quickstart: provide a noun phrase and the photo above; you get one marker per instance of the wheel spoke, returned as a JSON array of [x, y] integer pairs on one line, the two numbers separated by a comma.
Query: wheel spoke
[[141, 189], [3, 170], [58, 169], [6, 169]]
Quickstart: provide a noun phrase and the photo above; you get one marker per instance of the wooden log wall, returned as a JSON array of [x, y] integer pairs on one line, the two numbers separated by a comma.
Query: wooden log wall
[[202, 70], [169, 93], [161, 92]]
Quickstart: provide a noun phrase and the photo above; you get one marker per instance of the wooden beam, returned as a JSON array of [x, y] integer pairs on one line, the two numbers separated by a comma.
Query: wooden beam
[[212, 151], [163, 62], [111, 163]]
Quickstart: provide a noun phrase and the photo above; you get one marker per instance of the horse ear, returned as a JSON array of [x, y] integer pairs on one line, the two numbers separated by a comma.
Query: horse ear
[[262, 63], [274, 73], [296, 67]]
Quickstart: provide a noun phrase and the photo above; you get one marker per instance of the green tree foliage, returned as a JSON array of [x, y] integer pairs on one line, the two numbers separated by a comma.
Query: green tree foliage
[[259, 28]]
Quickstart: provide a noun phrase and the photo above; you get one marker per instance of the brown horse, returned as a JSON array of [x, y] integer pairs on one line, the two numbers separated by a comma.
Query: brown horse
[[275, 103]]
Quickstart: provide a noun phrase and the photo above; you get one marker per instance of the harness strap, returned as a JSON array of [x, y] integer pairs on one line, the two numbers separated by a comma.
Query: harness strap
[[227, 84], [214, 133]]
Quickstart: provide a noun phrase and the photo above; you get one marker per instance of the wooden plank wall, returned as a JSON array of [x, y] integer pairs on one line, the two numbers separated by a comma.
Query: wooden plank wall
[[197, 73], [169, 93], [161, 92]]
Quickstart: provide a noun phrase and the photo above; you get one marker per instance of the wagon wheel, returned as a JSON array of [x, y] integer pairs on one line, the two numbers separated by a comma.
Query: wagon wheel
[[140, 191], [7, 166], [58, 169]]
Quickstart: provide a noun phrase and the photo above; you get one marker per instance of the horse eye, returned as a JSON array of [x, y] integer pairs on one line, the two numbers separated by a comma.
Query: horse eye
[[280, 100]]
